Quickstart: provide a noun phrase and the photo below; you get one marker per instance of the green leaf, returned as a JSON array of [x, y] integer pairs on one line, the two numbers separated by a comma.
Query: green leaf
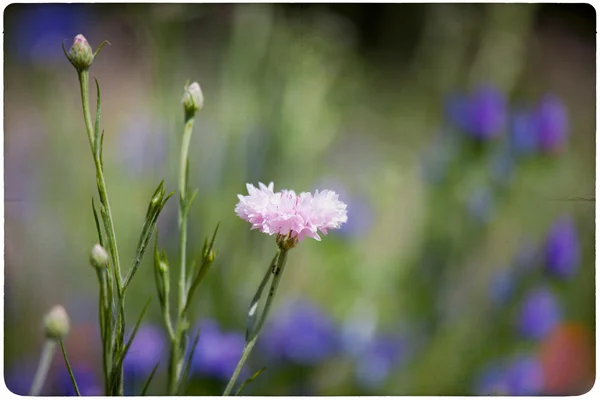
[[100, 47], [188, 363], [98, 228], [188, 202], [147, 384], [102, 150], [97, 125], [247, 381], [253, 310], [156, 205]]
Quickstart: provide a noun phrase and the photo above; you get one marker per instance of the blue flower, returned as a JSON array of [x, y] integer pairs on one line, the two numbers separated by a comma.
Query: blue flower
[[456, 111], [36, 30], [487, 112], [524, 376], [300, 333], [562, 252], [217, 353], [86, 379], [523, 133], [377, 360], [551, 124], [539, 314], [147, 349]]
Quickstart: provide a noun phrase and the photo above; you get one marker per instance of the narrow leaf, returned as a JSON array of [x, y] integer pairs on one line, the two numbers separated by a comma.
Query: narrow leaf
[[100, 47], [253, 310], [102, 150], [247, 381], [188, 363], [98, 228], [97, 125], [133, 333], [189, 201], [147, 384]]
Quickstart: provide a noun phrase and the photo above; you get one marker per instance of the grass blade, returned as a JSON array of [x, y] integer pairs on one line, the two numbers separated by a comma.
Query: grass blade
[[188, 363], [147, 384], [98, 228]]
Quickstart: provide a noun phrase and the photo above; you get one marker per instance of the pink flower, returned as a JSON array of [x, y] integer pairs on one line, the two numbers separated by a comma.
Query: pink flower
[[286, 212]]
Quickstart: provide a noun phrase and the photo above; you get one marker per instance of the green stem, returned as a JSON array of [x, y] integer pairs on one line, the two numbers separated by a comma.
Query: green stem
[[177, 350], [64, 352], [277, 273], [43, 367], [109, 225]]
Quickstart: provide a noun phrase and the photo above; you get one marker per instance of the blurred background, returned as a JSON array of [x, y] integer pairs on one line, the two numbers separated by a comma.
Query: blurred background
[[461, 136]]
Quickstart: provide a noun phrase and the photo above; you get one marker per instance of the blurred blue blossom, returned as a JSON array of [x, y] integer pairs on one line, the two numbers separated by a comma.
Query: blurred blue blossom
[[18, 378], [377, 360], [36, 29], [482, 114], [147, 349], [539, 314], [562, 252], [502, 168], [526, 256], [524, 376], [551, 124], [480, 204], [523, 135], [217, 352], [502, 286], [301, 333], [87, 382]]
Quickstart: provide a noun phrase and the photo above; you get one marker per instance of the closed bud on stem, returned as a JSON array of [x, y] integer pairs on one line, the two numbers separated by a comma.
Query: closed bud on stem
[[56, 323], [81, 54], [163, 267], [98, 257], [193, 99]]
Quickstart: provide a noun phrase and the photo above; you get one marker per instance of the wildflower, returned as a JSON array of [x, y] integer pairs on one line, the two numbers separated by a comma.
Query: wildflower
[[524, 376], [562, 253], [487, 112], [56, 323], [98, 257], [287, 213], [217, 352], [81, 54], [300, 333], [523, 134], [551, 125], [377, 360], [539, 315], [193, 99]]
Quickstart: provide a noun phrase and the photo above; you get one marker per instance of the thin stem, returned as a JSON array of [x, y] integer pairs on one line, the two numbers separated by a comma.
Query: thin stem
[[43, 367], [109, 225], [64, 352], [277, 273]]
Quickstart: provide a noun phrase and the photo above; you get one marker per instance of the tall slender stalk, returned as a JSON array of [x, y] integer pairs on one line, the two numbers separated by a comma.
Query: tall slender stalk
[[43, 367], [277, 272]]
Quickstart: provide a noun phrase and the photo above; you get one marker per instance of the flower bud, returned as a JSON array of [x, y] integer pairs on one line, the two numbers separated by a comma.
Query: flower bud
[[81, 54], [98, 257], [193, 99], [163, 267], [56, 323]]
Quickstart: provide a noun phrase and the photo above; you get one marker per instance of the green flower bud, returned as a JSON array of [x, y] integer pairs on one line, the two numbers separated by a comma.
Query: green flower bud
[[56, 323], [98, 257], [193, 99], [81, 54], [163, 267]]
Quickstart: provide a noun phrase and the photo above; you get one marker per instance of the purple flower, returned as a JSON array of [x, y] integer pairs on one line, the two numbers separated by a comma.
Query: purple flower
[[561, 252], [145, 352], [377, 359], [524, 376], [551, 124], [86, 379], [300, 333], [539, 314], [487, 112], [523, 134], [217, 353]]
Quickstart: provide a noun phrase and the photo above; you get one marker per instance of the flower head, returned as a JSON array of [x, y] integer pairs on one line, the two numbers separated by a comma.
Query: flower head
[[193, 99], [146, 350], [56, 323], [217, 352], [552, 125], [288, 213], [562, 254], [540, 314], [81, 54]]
